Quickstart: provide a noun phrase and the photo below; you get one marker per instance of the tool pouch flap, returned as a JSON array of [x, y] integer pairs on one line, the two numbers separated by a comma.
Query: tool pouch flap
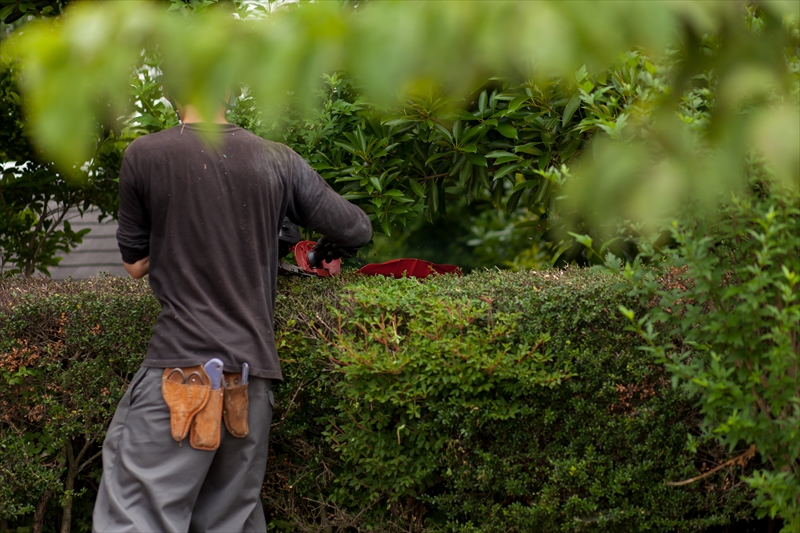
[[186, 392], [235, 411], [207, 426]]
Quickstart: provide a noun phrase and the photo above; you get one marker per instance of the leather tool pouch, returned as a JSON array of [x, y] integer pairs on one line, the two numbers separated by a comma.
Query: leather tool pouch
[[186, 392], [236, 406], [207, 425]]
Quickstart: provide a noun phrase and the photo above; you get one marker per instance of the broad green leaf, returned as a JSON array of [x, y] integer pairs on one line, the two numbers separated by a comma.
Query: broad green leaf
[[507, 130], [436, 156], [570, 109], [417, 188], [516, 102], [395, 193], [582, 239], [529, 148], [513, 201], [477, 159], [506, 170]]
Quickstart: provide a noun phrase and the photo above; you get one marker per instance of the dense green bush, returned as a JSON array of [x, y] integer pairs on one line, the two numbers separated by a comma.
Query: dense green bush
[[727, 326], [494, 402]]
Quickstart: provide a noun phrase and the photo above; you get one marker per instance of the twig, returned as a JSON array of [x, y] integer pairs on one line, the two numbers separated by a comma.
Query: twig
[[740, 459], [90, 460]]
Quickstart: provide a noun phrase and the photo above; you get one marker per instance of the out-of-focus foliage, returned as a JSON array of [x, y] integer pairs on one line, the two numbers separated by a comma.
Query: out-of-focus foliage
[[725, 320], [649, 165], [36, 201], [703, 111]]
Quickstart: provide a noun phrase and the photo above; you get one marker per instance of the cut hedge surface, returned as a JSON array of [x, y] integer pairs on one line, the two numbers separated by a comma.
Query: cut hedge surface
[[492, 402]]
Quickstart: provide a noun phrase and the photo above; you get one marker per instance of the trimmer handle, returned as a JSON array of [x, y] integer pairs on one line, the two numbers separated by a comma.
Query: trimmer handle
[[325, 250]]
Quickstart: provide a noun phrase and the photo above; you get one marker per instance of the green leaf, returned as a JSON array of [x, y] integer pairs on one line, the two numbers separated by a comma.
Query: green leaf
[[513, 201], [477, 159], [349, 147], [506, 170], [507, 130], [582, 239], [529, 148], [464, 115], [572, 106], [436, 156], [434, 196], [471, 133], [7, 10], [570, 149], [516, 102], [417, 188], [356, 195], [501, 153], [544, 161], [497, 194], [444, 131]]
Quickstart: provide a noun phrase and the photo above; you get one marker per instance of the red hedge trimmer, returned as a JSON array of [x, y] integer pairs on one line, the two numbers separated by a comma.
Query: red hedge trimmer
[[323, 259]]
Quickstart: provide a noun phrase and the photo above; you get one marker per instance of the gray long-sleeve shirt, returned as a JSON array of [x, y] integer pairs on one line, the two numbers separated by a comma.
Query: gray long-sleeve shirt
[[208, 216]]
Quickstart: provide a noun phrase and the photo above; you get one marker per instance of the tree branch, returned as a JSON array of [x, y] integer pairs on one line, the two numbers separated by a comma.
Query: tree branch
[[90, 460], [740, 459], [84, 450]]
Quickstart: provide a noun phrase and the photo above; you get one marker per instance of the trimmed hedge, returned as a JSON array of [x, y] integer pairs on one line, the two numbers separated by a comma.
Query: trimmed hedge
[[493, 402]]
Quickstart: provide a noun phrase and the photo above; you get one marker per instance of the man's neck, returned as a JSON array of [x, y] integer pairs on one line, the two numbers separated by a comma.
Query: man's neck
[[190, 115]]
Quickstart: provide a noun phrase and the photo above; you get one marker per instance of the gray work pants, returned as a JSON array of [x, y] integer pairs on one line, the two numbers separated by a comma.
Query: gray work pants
[[151, 483]]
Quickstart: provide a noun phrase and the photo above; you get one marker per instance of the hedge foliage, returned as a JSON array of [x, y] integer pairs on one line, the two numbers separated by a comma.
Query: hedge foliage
[[497, 401]]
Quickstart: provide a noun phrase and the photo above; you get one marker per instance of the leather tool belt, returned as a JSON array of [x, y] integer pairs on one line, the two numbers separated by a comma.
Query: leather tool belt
[[198, 410]]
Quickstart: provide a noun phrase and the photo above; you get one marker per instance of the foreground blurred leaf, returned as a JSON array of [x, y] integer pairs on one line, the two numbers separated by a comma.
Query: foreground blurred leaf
[[76, 71]]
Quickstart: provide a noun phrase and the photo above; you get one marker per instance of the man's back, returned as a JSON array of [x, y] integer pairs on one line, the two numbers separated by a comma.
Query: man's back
[[208, 216]]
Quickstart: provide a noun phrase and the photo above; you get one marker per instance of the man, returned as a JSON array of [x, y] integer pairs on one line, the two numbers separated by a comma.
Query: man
[[202, 219]]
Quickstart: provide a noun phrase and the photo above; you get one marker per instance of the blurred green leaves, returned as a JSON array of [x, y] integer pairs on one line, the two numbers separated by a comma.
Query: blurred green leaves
[[76, 73]]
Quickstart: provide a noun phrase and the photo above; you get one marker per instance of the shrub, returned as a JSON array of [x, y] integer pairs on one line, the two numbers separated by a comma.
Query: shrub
[[494, 402], [729, 314]]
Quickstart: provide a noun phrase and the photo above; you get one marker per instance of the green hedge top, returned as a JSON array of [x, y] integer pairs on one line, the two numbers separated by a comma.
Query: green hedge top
[[496, 401]]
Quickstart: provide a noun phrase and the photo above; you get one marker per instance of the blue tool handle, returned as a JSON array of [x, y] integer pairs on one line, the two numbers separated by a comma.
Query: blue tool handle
[[245, 372], [214, 370]]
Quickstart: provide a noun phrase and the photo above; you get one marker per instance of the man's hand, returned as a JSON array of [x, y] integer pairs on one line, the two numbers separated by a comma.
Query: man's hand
[[139, 268], [326, 250]]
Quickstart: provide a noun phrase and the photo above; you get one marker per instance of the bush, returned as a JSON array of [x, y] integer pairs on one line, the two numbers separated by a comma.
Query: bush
[[728, 313], [494, 402]]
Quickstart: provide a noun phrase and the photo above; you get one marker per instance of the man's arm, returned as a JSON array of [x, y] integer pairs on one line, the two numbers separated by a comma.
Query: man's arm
[[133, 232], [314, 205], [139, 268]]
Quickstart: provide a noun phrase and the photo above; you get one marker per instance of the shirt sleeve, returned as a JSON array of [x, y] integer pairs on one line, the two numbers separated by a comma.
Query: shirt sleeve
[[133, 233], [314, 205]]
